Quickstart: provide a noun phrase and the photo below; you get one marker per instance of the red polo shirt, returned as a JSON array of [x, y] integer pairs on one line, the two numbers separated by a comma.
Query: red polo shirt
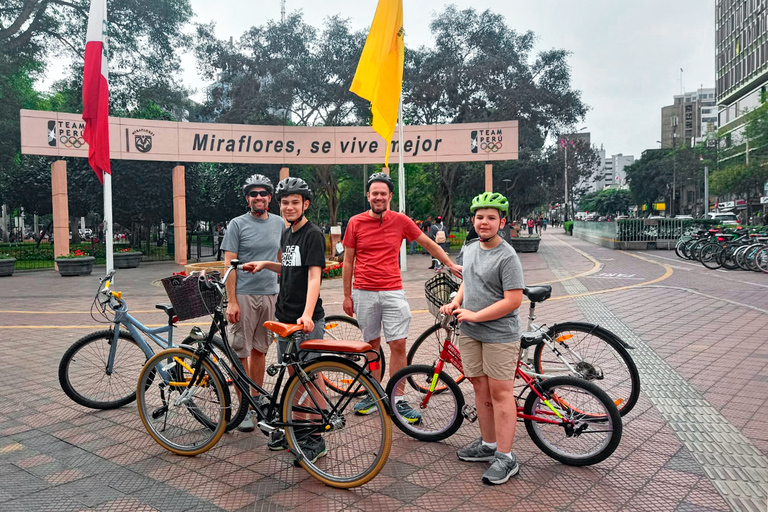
[[377, 247]]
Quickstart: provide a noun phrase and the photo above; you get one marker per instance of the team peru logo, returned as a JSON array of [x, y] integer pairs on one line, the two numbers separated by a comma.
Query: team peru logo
[[68, 134], [488, 141], [142, 139]]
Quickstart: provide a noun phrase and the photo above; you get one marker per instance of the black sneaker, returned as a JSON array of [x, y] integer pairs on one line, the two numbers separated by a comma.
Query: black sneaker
[[277, 441], [313, 449]]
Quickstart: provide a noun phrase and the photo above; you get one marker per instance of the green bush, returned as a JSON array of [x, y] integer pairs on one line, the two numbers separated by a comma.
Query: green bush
[[568, 226]]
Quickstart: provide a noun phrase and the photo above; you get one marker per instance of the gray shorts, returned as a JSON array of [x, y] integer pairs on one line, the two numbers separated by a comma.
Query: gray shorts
[[318, 333], [388, 309], [249, 333]]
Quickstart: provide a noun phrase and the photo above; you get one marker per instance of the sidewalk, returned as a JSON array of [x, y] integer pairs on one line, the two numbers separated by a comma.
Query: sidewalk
[[695, 441]]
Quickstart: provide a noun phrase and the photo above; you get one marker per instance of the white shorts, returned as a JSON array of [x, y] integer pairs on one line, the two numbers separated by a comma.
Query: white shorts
[[382, 309]]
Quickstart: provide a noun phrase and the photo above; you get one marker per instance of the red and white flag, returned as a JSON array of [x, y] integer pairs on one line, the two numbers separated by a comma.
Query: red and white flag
[[96, 90]]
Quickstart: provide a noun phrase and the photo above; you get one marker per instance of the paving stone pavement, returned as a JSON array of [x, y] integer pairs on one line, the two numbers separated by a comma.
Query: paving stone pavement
[[695, 441]]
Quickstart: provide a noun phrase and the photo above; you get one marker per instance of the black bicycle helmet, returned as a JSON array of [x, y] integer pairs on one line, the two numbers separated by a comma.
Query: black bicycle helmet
[[258, 180], [384, 178], [290, 186]]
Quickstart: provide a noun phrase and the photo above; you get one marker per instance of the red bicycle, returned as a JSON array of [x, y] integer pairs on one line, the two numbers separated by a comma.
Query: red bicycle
[[570, 419]]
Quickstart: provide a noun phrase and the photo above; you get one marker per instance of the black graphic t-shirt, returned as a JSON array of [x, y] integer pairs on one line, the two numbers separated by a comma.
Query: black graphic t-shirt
[[303, 249]]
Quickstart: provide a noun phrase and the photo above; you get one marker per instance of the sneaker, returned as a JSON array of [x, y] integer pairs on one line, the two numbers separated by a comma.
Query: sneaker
[[263, 403], [277, 441], [502, 469], [247, 424], [366, 406], [408, 413], [476, 452], [313, 449]]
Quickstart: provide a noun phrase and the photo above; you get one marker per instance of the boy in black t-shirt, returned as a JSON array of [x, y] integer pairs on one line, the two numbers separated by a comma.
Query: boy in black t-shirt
[[302, 260]]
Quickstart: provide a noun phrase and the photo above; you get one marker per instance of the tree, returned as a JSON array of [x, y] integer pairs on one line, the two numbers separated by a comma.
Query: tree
[[608, 202], [481, 70]]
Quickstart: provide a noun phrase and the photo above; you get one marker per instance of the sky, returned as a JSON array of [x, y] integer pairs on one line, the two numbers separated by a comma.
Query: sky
[[626, 56]]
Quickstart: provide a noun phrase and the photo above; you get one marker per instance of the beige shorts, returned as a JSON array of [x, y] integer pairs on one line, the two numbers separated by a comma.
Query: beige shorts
[[249, 333], [496, 360]]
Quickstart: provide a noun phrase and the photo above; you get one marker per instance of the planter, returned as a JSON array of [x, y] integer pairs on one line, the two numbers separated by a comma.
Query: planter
[[525, 244], [7, 266], [127, 259], [75, 266]]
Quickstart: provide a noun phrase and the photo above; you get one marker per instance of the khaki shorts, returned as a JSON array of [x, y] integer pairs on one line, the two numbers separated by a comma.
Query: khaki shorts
[[249, 333], [496, 360]]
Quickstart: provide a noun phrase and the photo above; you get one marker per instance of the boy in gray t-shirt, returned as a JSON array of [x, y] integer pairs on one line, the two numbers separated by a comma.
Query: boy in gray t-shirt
[[487, 306]]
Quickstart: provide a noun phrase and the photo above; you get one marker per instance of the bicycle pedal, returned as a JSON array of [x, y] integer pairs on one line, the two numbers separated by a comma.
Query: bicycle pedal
[[470, 413]]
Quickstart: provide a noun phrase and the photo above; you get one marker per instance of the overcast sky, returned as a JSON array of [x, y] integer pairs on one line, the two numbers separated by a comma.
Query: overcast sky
[[626, 56]]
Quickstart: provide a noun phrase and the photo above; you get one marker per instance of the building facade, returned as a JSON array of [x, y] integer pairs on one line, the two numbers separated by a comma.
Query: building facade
[[689, 119], [612, 173]]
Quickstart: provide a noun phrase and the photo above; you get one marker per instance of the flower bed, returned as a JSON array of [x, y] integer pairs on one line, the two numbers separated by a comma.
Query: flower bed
[[332, 269]]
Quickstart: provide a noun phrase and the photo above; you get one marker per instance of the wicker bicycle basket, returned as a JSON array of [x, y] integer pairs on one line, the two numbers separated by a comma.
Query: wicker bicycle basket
[[438, 290], [189, 299]]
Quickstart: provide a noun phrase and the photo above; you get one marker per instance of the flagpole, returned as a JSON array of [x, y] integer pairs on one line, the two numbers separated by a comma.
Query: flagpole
[[401, 178], [108, 221]]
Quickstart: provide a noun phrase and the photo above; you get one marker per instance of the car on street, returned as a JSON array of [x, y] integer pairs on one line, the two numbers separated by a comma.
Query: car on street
[[723, 218]]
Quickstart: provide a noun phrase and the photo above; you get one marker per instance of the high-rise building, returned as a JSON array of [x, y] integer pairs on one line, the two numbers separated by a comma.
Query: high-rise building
[[612, 173], [741, 49], [689, 119]]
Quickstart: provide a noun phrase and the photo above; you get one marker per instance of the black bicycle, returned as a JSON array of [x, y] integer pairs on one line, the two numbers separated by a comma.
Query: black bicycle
[[185, 403]]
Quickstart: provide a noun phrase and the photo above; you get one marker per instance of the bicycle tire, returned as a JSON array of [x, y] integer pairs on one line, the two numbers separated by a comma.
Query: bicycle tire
[[342, 327], [441, 415], [601, 353], [426, 349], [693, 251], [564, 392], [739, 257], [355, 453], [749, 256], [679, 248], [238, 407], [188, 428], [710, 256], [88, 383], [761, 260], [727, 258]]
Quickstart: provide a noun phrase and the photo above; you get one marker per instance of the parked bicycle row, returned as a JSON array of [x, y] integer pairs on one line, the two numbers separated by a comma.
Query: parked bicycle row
[[576, 384], [731, 249]]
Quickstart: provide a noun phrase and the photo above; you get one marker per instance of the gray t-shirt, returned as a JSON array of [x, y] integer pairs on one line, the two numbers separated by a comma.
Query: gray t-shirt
[[255, 239], [487, 274]]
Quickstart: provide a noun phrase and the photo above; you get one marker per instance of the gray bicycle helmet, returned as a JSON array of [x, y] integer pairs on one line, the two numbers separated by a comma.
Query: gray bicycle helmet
[[290, 186], [384, 178], [258, 180]]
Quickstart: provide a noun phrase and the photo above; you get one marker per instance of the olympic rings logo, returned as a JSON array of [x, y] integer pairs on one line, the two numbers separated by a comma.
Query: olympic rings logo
[[489, 147], [72, 141]]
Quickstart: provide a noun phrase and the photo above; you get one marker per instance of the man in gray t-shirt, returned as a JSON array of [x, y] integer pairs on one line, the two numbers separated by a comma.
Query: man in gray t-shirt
[[253, 236]]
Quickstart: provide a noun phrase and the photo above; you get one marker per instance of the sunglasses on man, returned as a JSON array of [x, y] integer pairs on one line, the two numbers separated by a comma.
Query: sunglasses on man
[[258, 193]]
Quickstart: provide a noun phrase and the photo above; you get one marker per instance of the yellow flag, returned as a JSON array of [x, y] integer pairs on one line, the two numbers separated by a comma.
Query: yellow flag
[[379, 75]]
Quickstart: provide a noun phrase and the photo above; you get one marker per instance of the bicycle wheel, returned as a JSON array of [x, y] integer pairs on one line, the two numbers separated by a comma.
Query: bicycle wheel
[[596, 355], [679, 247], [590, 427], [353, 448], [440, 412], [693, 252], [727, 258], [183, 419], [710, 256], [238, 407], [342, 327], [761, 259], [426, 349], [83, 370]]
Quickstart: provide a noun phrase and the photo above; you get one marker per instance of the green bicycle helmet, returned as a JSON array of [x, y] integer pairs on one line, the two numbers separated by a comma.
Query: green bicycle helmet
[[490, 200]]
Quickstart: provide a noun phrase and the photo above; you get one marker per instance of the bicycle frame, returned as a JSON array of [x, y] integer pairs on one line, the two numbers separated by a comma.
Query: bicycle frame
[[451, 354]]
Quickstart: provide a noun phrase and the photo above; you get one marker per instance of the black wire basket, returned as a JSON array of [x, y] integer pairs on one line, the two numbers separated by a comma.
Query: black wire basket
[[189, 297], [438, 290]]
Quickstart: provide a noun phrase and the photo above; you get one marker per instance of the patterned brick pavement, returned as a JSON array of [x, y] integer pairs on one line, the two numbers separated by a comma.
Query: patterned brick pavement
[[706, 329]]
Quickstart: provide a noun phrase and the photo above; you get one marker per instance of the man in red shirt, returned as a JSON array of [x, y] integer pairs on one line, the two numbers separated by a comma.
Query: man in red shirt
[[372, 246]]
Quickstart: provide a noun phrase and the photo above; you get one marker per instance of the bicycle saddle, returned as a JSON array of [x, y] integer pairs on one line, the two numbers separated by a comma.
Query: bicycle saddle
[[538, 293], [285, 330], [167, 308]]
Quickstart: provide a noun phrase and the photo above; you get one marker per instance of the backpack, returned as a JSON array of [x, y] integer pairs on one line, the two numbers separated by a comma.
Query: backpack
[[440, 236]]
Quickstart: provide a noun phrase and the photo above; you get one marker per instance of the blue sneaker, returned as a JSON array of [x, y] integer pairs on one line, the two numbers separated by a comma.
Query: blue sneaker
[[407, 412], [366, 406]]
